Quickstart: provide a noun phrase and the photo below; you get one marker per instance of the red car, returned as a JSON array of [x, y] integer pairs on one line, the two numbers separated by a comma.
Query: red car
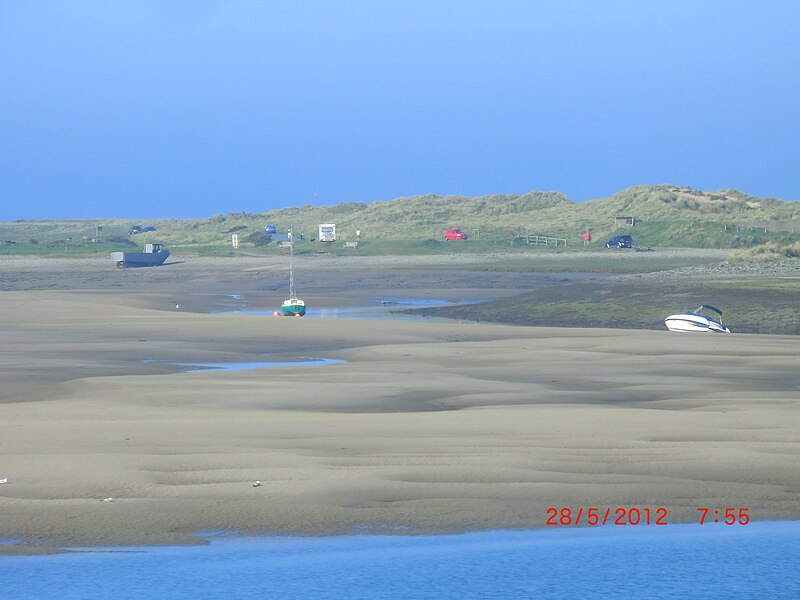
[[455, 234]]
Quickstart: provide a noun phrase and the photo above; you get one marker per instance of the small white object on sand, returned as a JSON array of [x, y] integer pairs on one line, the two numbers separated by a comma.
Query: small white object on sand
[[108, 499], [256, 483], [4, 480]]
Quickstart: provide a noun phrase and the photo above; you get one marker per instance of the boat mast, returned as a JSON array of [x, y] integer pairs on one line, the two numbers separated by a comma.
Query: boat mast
[[291, 269]]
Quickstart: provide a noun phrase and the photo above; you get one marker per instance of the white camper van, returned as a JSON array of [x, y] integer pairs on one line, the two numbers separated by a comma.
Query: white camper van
[[327, 232]]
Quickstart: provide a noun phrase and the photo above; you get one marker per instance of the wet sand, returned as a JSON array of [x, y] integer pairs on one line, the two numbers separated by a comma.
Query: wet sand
[[426, 426]]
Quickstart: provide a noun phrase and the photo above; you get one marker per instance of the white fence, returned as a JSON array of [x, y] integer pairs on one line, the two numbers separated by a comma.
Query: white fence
[[542, 240]]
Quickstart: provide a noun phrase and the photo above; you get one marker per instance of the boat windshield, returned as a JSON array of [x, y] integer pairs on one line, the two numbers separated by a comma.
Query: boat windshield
[[708, 307]]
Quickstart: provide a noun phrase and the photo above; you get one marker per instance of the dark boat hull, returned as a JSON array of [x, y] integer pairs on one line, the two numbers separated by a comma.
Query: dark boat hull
[[125, 260]]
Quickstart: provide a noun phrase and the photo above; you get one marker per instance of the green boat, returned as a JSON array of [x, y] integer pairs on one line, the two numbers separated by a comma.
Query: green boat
[[293, 307]]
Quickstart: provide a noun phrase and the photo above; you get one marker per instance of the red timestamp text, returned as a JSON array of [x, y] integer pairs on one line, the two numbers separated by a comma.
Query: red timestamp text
[[594, 515], [728, 516]]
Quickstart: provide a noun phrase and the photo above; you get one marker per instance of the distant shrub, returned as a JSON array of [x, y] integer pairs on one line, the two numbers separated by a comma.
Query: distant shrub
[[769, 251], [118, 239], [349, 207], [258, 238]]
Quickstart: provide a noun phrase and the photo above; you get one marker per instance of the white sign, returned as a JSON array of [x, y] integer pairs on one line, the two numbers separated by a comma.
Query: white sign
[[235, 240]]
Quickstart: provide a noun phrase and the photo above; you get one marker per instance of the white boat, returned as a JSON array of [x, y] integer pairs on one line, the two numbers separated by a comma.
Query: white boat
[[695, 321]]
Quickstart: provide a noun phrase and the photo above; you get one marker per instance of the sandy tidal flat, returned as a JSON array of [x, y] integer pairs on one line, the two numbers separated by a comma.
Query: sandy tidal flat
[[426, 427]]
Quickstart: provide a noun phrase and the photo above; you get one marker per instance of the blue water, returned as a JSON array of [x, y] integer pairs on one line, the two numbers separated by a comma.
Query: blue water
[[245, 366], [382, 308], [760, 560]]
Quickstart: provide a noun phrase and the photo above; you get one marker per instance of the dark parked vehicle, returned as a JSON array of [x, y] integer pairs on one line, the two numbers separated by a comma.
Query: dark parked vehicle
[[620, 241], [139, 229], [270, 229]]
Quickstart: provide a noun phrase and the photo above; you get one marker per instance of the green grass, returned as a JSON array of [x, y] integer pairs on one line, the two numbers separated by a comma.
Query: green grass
[[703, 234], [390, 247], [62, 249]]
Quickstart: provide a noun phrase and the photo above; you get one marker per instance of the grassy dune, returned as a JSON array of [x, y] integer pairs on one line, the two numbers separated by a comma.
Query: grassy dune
[[665, 216]]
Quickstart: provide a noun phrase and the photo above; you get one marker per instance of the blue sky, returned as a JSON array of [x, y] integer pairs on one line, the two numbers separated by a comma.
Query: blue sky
[[190, 108]]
